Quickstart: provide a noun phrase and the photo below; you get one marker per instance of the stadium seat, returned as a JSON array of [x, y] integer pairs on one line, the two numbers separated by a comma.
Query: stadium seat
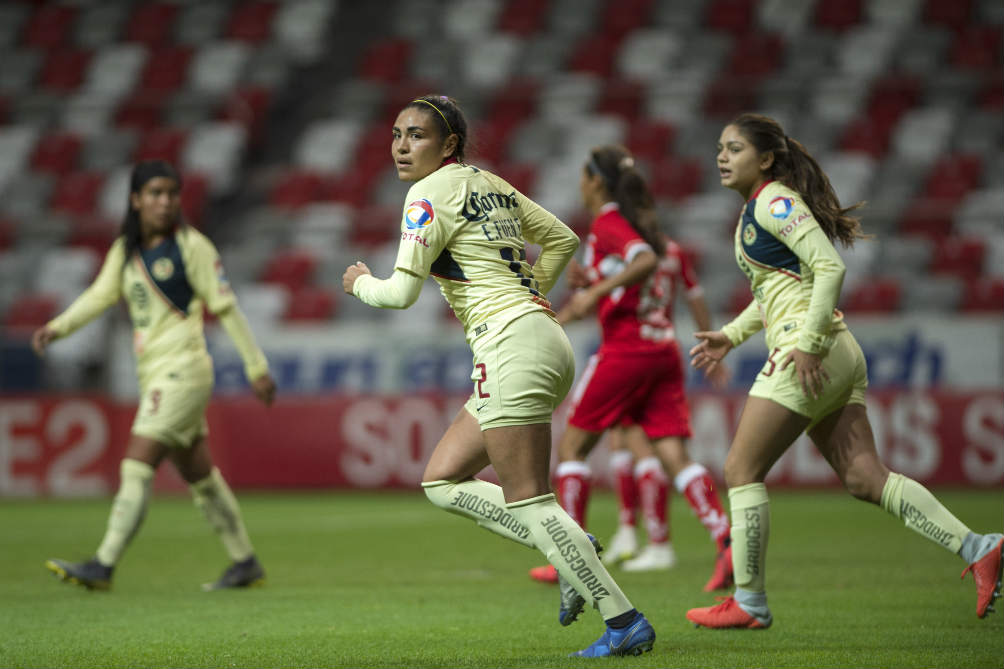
[[837, 15], [29, 312], [983, 294], [595, 55], [928, 218], [877, 295], [522, 176], [731, 16], [374, 226], [648, 53], [115, 69], [94, 233], [56, 153], [977, 48], [310, 304], [161, 144], [328, 145], [141, 112], [216, 68], [755, 56], [99, 24], [248, 106], [49, 26], [64, 69], [991, 96], [493, 62], [194, 197], [866, 135], [301, 27], [954, 176], [296, 189], [728, 96], [650, 139], [251, 21], [676, 178], [165, 70], [523, 17], [955, 14], [151, 23], [77, 193], [962, 257], [201, 22], [386, 61], [215, 150], [292, 268], [624, 16], [623, 98]]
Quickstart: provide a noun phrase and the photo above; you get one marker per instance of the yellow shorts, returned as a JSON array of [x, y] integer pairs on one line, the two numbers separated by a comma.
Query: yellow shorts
[[172, 409], [845, 363], [522, 372]]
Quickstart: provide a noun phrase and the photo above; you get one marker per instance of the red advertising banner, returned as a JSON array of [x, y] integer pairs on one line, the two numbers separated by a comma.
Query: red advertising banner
[[72, 446]]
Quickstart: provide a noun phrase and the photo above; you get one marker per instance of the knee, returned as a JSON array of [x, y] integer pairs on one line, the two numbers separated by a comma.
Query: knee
[[740, 471]]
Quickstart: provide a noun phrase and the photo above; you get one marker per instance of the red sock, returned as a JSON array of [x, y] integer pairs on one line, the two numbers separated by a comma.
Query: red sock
[[653, 489], [622, 464], [696, 485], [573, 489]]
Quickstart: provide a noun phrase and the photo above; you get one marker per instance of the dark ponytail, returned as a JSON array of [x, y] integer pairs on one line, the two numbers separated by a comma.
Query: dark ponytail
[[628, 188], [141, 173], [447, 116], [797, 169]]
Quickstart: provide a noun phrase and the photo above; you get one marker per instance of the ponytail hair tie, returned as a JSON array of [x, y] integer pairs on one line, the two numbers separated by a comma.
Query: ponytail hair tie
[[625, 162]]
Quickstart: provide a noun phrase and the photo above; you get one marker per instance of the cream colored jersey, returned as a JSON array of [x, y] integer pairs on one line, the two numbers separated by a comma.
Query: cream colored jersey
[[468, 228], [165, 288], [794, 271]]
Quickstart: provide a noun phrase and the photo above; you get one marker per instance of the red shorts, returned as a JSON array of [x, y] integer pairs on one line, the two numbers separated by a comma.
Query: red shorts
[[645, 389]]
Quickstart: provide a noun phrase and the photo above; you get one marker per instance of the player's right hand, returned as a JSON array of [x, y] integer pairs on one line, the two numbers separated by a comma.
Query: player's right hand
[[711, 348], [576, 273], [40, 339], [264, 388]]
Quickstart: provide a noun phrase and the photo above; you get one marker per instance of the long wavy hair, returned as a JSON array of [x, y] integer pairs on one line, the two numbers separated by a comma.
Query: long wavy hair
[[797, 169], [141, 173], [614, 164]]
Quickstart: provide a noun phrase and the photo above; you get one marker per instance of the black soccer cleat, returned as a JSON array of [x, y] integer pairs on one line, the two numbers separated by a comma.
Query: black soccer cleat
[[242, 574], [91, 574]]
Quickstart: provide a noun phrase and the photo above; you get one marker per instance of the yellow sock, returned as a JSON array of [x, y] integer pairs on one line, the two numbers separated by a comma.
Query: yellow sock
[[128, 510], [214, 497], [750, 529], [567, 547], [481, 501], [922, 512]]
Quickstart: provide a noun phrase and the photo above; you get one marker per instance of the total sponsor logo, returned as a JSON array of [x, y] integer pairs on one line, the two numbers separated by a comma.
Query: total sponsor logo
[[419, 214], [781, 207], [786, 230]]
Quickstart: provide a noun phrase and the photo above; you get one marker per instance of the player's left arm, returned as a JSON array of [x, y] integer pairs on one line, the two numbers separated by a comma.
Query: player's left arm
[[558, 242], [205, 273]]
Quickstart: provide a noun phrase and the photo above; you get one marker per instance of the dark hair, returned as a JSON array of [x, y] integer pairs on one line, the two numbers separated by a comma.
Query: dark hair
[[626, 185], [141, 173], [797, 169], [447, 116]]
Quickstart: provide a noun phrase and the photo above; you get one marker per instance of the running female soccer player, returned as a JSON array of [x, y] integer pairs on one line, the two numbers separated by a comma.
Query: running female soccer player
[[814, 379], [166, 271], [468, 228], [636, 377]]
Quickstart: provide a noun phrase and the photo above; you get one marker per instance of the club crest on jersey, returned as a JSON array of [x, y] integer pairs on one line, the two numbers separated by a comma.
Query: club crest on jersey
[[780, 207], [419, 214], [162, 269], [749, 234]]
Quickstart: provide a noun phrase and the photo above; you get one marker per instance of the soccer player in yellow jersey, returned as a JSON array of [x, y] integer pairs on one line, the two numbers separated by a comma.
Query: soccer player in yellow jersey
[[166, 271], [814, 379], [468, 228]]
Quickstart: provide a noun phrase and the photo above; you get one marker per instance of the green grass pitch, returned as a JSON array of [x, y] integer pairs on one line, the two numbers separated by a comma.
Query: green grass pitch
[[387, 580]]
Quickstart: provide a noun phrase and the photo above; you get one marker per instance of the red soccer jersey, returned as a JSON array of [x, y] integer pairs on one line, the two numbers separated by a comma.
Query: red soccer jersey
[[638, 317]]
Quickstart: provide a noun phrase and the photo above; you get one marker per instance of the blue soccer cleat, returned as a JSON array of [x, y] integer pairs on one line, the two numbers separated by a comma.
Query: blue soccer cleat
[[90, 574], [635, 639], [572, 603]]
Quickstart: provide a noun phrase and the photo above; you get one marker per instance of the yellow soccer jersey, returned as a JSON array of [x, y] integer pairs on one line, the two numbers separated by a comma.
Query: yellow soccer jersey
[[165, 288], [794, 271], [468, 228]]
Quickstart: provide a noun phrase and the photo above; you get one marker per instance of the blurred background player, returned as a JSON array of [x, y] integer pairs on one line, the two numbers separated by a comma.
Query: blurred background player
[[815, 377], [468, 228], [166, 271], [632, 272]]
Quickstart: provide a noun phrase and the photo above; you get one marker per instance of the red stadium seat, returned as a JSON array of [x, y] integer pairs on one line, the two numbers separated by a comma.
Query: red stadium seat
[[953, 177], [731, 16], [6, 234], [310, 304], [522, 176], [961, 256], [141, 112], [353, 187], [622, 98], [296, 189], [991, 97], [93, 233], [4, 107], [982, 294], [151, 24], [728, 96], [252, 22], [929, 218], [955, 14], [77, 193], [166, 69], [64, 69], [838, 15], [292, 269], [386, 61], [876, 295], [29, 312], [676, 178], [162, 144], [650, 140], [194, 197], [56, 153], [492, 141], [623, 16], [512, 104], [595, 54], [756, 55], [977, 48], [524, 17], [249, 107], [375, 225], [49, 25], [866, 135]]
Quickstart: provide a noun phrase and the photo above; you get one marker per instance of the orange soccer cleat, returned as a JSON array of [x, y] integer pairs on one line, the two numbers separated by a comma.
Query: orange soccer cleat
[[545, 574], [987, 574], [727, 615], [721, 577]]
